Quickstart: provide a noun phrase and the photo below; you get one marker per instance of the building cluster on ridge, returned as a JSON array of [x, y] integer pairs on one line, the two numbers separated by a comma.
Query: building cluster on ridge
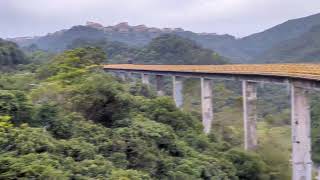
[[125, 27]]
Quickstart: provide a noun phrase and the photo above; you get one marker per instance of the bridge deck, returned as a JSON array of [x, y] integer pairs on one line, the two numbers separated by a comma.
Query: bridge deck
[[303, 71]]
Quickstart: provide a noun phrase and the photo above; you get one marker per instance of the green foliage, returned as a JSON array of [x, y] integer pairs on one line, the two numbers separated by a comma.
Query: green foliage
[[23, 81], [165, 49], [36, 55], [163, 110], [173, 49], [5, 122], [140, 89], [315, 124], [10, 54], [304, 48], [275, 149], [72, 61], [33, 165], [36, 58], [274, 135], [16, 105], [101, 100], [248, 166], [128, 175], [116, 51], [77, 122]]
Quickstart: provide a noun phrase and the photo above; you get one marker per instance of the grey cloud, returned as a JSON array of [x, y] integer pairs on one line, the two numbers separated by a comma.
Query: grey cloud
[[236, 17]]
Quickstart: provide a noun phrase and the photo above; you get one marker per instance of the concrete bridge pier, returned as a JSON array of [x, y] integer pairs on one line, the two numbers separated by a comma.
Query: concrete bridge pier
[[145, 79], [177, 90], [130, 76], [301, 140], [160, 85], [206, 104], [122, 76], [249, 94], [113, 73]]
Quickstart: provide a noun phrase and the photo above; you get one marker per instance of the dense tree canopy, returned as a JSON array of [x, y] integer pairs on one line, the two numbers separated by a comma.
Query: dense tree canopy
[[165, 49], [66, 118], [62, 117], [77, 122], [10, 54], [173, 49]]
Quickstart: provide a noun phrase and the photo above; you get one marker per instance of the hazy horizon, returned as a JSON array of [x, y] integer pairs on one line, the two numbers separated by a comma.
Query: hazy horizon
[[235, 17]]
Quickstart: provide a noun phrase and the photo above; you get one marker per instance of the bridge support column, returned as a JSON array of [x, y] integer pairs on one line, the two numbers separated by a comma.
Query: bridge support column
[[129, 75], [206, 104], [249, 93], [301, 141], [122, 76], [113, 73], [145, 79], [160, 85], [177, 91]]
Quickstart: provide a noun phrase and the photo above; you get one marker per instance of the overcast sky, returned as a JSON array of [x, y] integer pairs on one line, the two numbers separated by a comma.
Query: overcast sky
[[235, 17]]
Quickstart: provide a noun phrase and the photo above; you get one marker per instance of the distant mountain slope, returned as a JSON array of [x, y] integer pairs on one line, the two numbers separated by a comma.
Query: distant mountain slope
[[173, 49], [10, 54], [58, 41], [257, 43], [243, 50], [164, 49], [131, 35], [305, 48]]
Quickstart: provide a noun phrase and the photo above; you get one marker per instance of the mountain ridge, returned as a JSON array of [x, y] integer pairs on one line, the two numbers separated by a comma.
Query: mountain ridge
[[120, 28], [304, 48], [248, 49], [259, 42]]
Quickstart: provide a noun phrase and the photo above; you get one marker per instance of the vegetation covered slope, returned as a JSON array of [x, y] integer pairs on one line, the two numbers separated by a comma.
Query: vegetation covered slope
[[70, 120], [305, 48], [10, 54], [165, 49], [242, 50], [59, 40], [274, 133], [260, 42]]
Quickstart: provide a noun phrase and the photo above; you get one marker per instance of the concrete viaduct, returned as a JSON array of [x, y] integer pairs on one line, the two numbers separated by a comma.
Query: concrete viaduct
[[301, 78]]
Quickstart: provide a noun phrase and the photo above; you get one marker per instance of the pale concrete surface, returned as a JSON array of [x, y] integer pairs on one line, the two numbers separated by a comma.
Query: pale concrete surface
[[249, 95], [206, 104], [177, 90], [301, 141]]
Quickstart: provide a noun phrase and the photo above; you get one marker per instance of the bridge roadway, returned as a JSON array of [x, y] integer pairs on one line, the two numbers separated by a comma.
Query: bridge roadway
[[295, 71], [301, 78]]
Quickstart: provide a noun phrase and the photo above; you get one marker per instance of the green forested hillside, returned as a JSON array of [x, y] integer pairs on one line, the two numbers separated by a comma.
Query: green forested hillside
[[173, 49], [165, 49], [65, 118], [71, 120], [305, 48], [59, 41], [240, 50], [116, 52], [256, 44], [10, 54]]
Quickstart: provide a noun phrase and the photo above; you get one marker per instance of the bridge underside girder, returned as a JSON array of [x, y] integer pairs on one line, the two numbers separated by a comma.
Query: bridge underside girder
[[305, 83]]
